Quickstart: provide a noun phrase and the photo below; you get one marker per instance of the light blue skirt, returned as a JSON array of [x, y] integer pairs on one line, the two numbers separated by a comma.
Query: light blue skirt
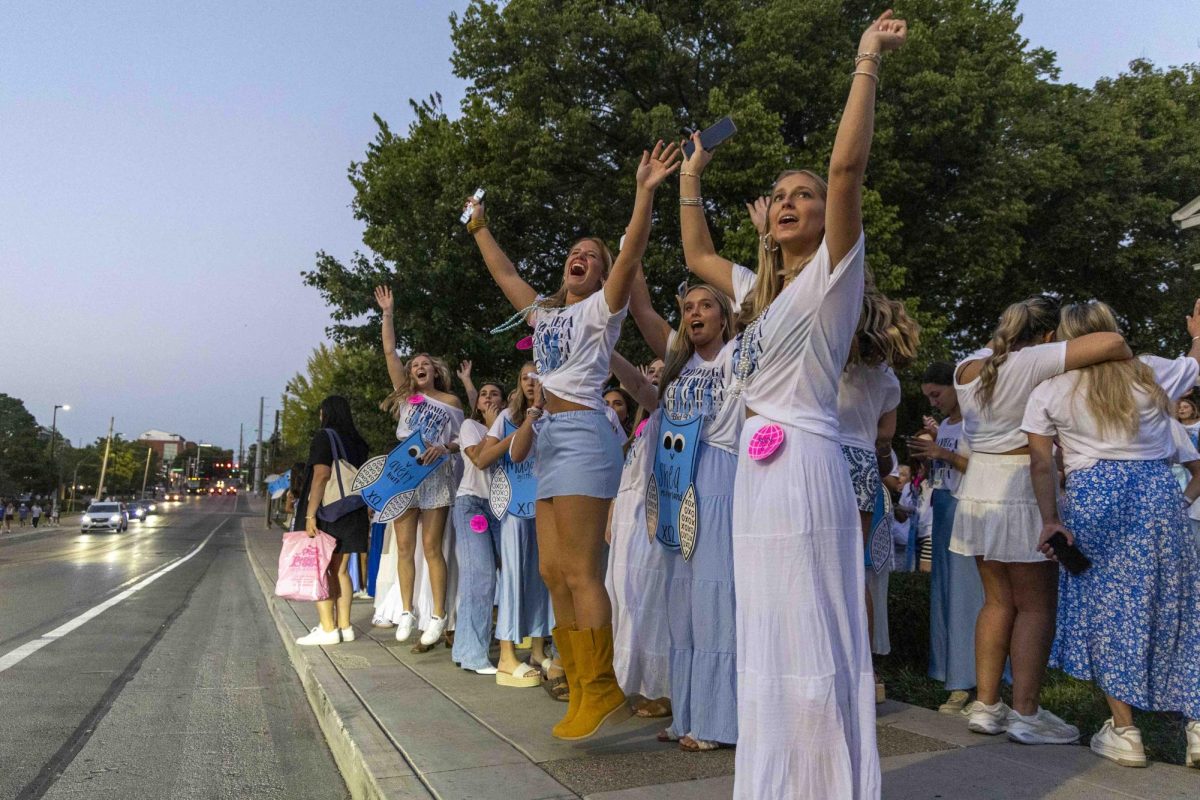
[[701, 610], [955, 598], [1131, 623], [578, 453], [478, 556], [524, 601]]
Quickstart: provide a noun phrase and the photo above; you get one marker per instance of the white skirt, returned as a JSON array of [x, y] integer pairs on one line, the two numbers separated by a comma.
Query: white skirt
[[806, 687], [997, 515], [637, 583]]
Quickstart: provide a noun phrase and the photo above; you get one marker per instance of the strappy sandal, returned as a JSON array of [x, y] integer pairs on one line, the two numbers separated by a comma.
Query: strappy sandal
[[690, 745], [652, 709], [665, 735]]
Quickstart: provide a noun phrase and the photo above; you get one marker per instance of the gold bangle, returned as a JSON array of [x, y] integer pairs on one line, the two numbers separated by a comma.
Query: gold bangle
[[477, 224], [691, 201], [870, 75], [683, 172]]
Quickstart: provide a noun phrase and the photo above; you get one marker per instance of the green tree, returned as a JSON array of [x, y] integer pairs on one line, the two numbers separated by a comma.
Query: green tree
[[24, 450], [354, 371]]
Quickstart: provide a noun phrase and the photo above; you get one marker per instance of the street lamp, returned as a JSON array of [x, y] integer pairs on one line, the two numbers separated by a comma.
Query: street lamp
[[53, 463]]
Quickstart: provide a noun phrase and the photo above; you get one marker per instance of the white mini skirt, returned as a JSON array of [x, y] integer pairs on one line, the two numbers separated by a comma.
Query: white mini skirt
[[997, 515]]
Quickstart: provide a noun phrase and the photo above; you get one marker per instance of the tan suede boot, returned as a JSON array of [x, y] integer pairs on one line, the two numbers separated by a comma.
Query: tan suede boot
[[603, 700], [570, 665]]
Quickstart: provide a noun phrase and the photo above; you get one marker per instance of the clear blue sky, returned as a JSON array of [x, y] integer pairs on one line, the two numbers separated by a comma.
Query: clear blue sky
[[167, 169]]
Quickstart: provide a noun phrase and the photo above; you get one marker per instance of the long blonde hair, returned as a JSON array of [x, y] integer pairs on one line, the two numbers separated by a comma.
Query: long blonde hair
[[518, 403], [394, 402], [772, 274], [1021, 324], [886, 334], [559, 298], [682, 349], [1109, 387]]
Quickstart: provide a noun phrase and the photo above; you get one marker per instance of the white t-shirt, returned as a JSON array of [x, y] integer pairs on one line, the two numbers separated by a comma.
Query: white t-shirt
[[1192, 431], [497, 429], [475, 482], [1055, 407], [942, 474], [703, 387], [865, 393], [744, 279], [997, 428], [795, 351], [1184, 453], [438, 422], [573, 346]]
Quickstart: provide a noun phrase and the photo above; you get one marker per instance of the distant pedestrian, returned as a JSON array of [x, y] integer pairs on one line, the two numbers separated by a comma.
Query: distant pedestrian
[[22, 514], [36, 514], [9, 510], [54, 513]]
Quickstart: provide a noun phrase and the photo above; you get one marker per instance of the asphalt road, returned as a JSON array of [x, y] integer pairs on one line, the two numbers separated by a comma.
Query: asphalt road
[[181, 689]]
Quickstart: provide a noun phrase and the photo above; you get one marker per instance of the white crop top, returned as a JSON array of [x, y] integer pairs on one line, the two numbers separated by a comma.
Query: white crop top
[[1055, 407], [865, 393], [573, 346], [475, 482], [791, 357], [702, 387], [438, 422], [997, 428]]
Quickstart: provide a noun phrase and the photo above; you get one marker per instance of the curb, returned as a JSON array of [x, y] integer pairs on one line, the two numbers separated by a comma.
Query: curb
[[45, 532], [351, 732]]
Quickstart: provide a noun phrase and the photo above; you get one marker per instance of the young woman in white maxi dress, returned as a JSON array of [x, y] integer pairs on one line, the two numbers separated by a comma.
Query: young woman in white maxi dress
[[637, 573], [806, 689]]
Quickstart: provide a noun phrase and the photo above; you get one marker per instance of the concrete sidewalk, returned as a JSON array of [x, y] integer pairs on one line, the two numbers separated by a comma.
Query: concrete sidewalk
[[415, 726], [66, 523]]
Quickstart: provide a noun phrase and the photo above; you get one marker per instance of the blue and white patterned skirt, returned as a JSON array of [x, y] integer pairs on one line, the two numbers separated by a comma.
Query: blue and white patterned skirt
[[864, 474], [1131, 623]]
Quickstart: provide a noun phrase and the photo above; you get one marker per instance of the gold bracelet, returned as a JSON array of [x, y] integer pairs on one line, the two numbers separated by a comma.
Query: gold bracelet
[[870, 75], [477, 224], [683, 172], [868, 57], [691, 201]]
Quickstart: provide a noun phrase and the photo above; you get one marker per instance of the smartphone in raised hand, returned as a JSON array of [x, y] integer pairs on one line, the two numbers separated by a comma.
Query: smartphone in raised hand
[[712, 136]]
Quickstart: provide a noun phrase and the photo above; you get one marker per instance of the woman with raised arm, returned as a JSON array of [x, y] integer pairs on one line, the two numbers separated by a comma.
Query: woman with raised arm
[[477, 545], [637, 576], [579, 454], [1131, 622], [806, 689], [422, 401], [694, 400]]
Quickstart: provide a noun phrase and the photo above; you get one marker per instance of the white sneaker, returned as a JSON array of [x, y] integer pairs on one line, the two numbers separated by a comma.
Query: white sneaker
[[404, 627], [991, 719], [347, 634], [1122, 745], [433, 631], [319, 637], [1041, 728], [361, 594], [1193, 744]]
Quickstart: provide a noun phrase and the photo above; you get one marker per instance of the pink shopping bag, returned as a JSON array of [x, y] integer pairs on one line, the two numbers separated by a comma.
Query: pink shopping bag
[[302, 565]]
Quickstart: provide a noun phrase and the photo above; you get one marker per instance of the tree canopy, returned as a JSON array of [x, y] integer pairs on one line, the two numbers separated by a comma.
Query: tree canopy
[[988, 180]]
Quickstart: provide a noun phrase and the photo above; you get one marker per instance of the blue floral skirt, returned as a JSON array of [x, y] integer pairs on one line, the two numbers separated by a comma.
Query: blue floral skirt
[[1131, 623]]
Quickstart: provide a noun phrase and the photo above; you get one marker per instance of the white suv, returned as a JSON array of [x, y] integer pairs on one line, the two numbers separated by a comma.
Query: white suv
[[105, 517]]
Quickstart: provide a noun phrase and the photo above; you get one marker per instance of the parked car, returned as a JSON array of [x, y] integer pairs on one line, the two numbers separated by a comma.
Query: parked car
[[104, 517]]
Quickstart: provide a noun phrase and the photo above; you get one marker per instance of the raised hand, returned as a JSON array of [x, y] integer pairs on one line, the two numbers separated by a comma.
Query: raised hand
[[884, 34], [657, 165], [383, 296], [758, 214], [464, 371], [477, 211], [698, 160]]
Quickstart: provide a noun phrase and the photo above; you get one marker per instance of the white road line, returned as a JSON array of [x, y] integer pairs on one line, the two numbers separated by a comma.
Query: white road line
[[14, 657]]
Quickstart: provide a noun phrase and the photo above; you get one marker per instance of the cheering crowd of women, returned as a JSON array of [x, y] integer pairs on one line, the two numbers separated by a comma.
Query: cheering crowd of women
[[713, 538]]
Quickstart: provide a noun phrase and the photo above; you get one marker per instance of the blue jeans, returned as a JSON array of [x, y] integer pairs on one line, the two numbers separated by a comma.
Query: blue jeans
[[478, 558]]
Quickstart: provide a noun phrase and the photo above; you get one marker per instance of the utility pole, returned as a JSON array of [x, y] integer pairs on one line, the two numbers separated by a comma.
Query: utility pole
[[258, 454], [146, 471], [241, 441], [104, 464]]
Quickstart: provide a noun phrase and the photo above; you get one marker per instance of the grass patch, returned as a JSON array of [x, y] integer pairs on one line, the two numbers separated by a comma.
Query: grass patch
[[1078, 702]]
